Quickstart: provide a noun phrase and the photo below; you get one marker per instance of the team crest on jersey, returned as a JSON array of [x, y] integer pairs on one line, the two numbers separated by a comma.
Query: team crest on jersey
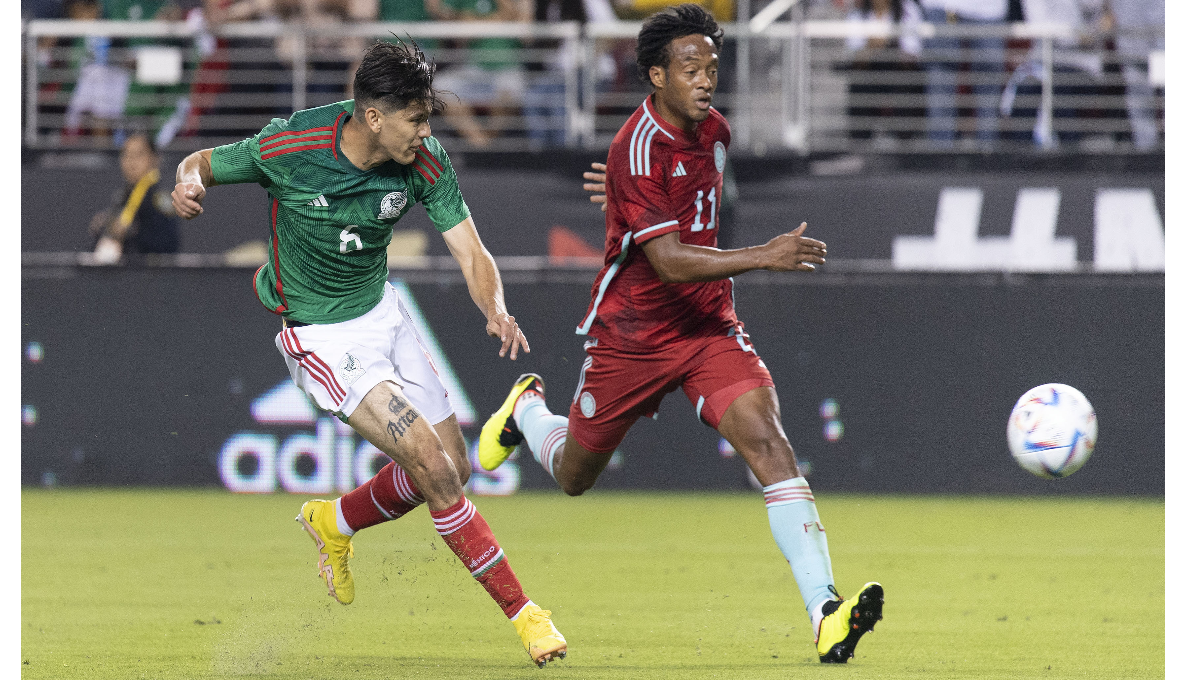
[[392, 205], [351, 368], [719, 156]]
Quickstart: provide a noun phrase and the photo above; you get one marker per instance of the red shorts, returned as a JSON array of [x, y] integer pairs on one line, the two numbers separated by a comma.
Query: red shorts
[[617, 387]]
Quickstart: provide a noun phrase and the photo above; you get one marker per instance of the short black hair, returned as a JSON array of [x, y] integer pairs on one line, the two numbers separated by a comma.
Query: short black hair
[[392, 76], [673, 22], [150, 141]]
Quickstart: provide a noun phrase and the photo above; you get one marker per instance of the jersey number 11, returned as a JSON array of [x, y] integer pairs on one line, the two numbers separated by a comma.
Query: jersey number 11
[[712, 210]]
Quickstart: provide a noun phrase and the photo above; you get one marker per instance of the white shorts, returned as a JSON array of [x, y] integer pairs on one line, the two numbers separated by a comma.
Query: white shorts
[[337, 364]]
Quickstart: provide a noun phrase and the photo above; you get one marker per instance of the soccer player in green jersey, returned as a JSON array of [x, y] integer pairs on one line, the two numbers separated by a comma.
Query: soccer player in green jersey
[[339, 178]]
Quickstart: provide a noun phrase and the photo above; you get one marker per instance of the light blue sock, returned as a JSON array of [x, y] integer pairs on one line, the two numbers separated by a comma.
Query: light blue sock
[[545, 433], [798, 533]]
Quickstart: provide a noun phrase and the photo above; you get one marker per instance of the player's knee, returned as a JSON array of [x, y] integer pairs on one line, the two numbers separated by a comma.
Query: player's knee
[[461, 464], [436, 467]]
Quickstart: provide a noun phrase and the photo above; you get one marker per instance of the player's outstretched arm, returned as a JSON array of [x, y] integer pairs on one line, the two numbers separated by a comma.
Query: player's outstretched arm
[[677, 262], [191, 177], [483, 281]]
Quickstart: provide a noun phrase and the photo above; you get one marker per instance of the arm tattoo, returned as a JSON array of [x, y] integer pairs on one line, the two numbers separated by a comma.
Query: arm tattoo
[[398, 427], [396, 405]]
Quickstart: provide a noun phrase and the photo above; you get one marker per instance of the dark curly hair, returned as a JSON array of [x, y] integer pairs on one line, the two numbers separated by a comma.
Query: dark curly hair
[[673, 22], [394, 75]]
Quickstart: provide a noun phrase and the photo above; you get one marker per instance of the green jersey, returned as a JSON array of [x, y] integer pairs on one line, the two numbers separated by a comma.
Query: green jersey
[[330, 221], [132, 10], [491, 54]]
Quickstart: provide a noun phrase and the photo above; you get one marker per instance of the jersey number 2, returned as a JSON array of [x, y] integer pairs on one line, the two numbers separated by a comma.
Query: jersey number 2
[[712, 210], [348, 237]]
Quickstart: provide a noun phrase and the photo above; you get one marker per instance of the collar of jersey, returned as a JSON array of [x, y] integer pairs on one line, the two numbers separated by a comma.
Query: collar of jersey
[[680, 135], [337, 143]]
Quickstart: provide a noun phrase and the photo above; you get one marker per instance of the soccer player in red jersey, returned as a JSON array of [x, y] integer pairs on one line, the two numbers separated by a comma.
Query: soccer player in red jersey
[[662, 317]]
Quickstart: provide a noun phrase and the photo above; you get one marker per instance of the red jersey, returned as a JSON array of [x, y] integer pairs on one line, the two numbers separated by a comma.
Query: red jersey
[[659, 179]]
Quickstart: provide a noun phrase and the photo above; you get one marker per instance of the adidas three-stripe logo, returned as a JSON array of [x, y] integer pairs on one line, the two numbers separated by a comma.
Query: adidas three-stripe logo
[[319, 202], [679, 171]]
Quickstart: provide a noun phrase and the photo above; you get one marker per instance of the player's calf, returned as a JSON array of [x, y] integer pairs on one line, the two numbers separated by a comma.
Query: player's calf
[[579, 468]]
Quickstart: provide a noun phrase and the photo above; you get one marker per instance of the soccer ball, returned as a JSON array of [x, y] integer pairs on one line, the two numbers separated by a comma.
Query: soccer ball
[[1052, 430]]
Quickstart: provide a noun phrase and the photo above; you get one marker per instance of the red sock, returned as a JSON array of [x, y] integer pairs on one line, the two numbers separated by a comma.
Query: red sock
[[389, 495], [469, 536]]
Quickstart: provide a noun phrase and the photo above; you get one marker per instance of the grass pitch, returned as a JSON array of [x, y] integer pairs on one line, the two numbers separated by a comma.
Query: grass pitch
[[185, 584]]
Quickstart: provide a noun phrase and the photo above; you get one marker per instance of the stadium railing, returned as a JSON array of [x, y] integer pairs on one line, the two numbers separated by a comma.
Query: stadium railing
[[793, 87]]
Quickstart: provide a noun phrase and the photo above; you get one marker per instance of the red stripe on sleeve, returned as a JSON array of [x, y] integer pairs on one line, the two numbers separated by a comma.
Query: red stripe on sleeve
[[423, 163], [319, 137], [297, 132], [429, 157], [423, 173], [294, 148]]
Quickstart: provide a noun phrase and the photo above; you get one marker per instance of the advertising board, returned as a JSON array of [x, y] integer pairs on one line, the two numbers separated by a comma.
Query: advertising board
[[887, 383]]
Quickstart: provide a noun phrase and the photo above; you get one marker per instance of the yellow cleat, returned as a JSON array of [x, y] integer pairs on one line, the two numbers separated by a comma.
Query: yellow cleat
[[500, 434], [334, 550], [840, 629], [541, 639]]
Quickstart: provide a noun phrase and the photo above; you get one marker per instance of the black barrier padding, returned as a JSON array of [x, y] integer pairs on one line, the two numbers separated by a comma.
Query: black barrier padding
[[859, 216], [146, 373], [514, 210]]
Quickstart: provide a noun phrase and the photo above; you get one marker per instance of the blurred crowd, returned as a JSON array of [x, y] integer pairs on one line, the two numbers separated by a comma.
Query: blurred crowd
[[957, 89], [1108, 37]]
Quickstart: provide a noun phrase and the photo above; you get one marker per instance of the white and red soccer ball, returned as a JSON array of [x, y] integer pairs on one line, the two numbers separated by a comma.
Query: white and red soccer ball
[[1052, 430]]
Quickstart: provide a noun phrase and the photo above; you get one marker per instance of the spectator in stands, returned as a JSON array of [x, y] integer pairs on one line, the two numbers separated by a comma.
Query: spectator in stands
[[877, 55], [493, 76], [1141, 26], [545, 114], [724, 11], [43, 9], [99, 94], [545, 105], [217, 12], [985, 57], [1078, 66], [407, 11], [149, 105], [330, 56], [271, 63], [140, 218], [142, 10]]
